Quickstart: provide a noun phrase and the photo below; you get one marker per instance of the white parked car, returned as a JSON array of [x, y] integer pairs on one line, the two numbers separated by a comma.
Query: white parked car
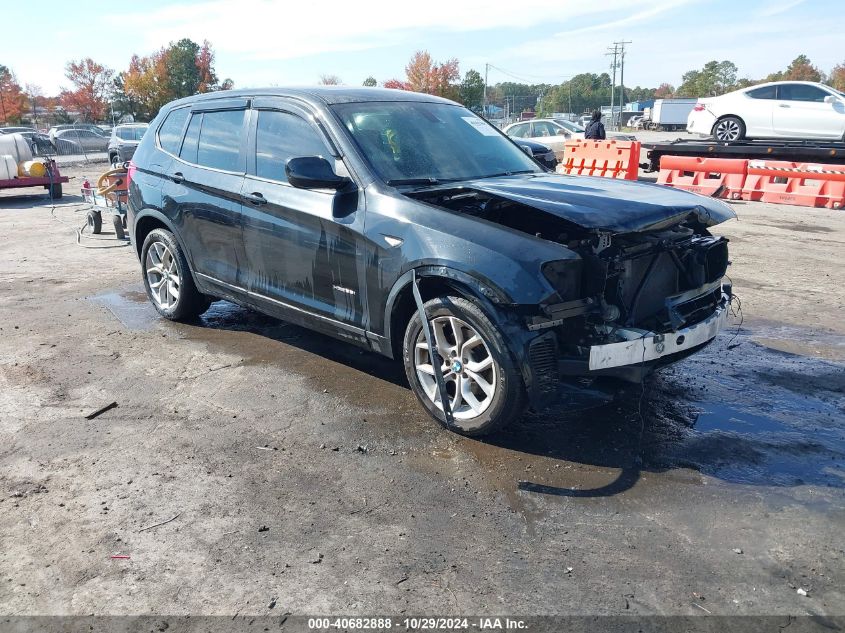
[[781, 109], [554, 132]]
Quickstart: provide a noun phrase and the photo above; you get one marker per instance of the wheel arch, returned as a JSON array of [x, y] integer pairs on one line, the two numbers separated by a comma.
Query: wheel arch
[[434, 281], [724, 116], [146, 221]]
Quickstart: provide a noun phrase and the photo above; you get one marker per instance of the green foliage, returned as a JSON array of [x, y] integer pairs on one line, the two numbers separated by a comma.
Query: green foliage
[[370, 82], [716, 78], [472, 90]]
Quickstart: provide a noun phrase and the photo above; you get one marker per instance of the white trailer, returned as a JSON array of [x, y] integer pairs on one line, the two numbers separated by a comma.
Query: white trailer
[[670, 114]]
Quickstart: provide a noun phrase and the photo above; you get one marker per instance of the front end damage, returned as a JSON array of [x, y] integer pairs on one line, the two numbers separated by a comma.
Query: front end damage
[[631, 302]]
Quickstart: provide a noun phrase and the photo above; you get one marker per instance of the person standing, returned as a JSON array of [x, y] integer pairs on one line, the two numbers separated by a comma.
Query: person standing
[[595, 128]]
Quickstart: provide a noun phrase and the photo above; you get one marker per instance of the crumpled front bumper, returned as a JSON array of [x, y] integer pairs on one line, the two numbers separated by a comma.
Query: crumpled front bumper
[[642, 346]]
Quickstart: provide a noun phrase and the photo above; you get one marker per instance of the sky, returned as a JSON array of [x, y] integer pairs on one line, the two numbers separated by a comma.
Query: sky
[[274, 42]]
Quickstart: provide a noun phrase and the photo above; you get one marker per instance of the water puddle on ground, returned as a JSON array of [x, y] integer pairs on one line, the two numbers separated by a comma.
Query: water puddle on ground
[[739, 411]]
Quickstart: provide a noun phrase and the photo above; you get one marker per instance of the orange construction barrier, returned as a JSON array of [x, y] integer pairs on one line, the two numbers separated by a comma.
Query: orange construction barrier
[[610, 159], [802, 184], [716, 177]]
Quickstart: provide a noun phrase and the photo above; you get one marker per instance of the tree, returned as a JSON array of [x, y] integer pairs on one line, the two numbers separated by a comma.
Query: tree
[[472, 90], [801, 69], [837, 77], [397, 84], [92, 83], [330, 80], [370, 82], [12, 98], [205, 68], [181, 69], [425, 75], [714, 79], [664, 91]]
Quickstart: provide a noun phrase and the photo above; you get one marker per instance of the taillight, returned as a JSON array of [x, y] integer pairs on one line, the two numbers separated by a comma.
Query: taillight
[[698, 107], [130, 171]]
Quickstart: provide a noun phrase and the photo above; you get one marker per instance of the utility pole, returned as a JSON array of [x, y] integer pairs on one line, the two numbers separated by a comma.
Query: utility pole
[[484, 105], [622, 77], [615, 53]]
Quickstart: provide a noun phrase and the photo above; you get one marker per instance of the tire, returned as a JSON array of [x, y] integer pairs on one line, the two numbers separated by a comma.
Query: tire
[[115, 161], [501, 404], [728, 129], [168, 280], [95, 222], [55, 191], [117, 221]]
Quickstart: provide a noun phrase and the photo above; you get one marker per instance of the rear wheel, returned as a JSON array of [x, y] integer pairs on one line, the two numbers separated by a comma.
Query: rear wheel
[[484, 388], [729, 128], [168, 280], [55, 191]]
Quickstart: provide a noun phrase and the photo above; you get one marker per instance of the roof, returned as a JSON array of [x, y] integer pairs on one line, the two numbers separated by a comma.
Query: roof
[[328, 95]]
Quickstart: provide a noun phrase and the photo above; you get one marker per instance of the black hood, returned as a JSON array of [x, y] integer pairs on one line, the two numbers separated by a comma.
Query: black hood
[[619, 206]]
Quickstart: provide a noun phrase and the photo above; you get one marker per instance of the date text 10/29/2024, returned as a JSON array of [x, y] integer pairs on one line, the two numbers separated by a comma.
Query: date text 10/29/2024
[[417, 624]]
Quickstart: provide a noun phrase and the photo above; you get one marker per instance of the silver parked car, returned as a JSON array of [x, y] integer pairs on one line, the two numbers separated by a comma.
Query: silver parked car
[[87, 140]]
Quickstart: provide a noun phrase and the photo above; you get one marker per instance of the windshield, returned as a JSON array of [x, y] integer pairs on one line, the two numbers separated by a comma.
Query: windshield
[[415, 143], [569, 125]]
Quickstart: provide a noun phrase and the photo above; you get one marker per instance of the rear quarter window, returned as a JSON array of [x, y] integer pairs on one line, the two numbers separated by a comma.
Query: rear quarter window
[[767, 92], [170, 132]]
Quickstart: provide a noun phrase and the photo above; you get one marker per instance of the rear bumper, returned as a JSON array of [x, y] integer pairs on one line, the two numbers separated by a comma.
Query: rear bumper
[[701, 123], [642, 346]]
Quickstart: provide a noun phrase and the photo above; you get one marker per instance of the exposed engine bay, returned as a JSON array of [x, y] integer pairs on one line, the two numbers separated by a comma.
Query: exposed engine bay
[[657, 280]]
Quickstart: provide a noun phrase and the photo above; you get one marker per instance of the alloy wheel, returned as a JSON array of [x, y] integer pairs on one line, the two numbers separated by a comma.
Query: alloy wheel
[[162, 275], [727, 130], [468, 367]]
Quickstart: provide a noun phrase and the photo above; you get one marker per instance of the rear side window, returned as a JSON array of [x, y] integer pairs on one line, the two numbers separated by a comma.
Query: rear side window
[[281, 136], [800, 92], [767, 92], [170, 132], [192, 137], [220, 139]]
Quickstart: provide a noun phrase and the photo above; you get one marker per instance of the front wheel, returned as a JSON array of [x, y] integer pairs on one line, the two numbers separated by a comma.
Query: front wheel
[[168, 280], [484, 387], [729, 128]]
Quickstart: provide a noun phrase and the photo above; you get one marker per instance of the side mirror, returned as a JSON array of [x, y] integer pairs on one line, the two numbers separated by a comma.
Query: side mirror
[[562, 133], [830, 99], [313, 172], [527, 150]]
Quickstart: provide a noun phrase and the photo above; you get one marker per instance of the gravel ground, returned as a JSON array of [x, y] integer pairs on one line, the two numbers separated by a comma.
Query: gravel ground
[[251, 462]]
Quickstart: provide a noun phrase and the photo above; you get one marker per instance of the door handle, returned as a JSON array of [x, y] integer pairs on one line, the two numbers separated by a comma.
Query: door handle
[[178, 178], [254, 198], [783, 105]]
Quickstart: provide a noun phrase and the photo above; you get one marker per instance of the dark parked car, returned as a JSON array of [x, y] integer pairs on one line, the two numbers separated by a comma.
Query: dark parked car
[[39, 143], [543, 154], [124, 140], [329, 207]]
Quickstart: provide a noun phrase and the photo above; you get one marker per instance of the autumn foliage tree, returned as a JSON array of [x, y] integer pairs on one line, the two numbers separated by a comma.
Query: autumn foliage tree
[[179, 70], [423, 74], [837, 77], [91, 88], [12, 97]]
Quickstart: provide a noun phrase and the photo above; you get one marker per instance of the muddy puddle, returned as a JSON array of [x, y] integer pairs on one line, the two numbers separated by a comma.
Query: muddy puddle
[[740, 411]]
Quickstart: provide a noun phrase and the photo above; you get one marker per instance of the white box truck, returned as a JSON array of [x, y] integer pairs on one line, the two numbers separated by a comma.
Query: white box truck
[[670, 114]]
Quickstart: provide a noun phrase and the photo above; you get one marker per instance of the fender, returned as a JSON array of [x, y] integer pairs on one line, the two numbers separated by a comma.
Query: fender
[[483, 290], [158, 215], [492, 300]]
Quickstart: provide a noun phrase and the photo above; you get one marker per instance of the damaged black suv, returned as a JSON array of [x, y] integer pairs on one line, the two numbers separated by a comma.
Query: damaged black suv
[[354, 211]]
